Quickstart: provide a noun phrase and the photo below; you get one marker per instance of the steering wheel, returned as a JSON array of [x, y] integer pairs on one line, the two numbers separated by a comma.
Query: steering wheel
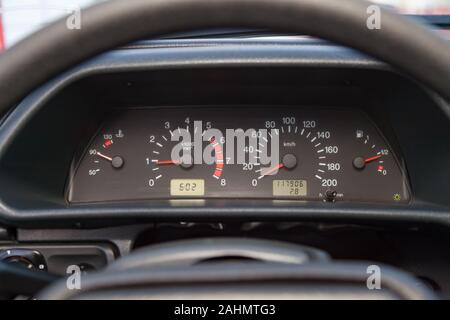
[[404, 44]]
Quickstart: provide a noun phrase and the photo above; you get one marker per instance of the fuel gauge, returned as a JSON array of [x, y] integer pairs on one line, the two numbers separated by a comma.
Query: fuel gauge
[[375, 172], [371, 157]]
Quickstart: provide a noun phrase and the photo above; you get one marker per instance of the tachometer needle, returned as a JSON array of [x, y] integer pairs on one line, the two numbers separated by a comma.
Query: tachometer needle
[[167, 162], [272, 170], [372, 159]]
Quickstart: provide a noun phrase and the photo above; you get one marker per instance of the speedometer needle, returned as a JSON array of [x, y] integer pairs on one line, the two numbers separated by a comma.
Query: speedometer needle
[[272, 170]]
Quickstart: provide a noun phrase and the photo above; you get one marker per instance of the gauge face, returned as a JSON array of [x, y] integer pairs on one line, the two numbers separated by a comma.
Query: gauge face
[[275, 153], [103, 160], [307, 160], [180, 174]]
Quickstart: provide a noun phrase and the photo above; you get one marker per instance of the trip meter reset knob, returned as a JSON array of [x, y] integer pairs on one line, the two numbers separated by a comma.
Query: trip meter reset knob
[[330, 196]]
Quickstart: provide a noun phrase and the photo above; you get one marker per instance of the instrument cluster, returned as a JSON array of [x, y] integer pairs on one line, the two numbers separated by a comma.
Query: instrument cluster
[[239, 152]]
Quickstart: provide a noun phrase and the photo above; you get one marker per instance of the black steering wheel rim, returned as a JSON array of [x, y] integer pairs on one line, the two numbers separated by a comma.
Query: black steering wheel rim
[[406, 45]]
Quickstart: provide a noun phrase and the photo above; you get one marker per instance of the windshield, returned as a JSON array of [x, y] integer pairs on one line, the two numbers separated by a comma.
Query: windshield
[[18, 18]]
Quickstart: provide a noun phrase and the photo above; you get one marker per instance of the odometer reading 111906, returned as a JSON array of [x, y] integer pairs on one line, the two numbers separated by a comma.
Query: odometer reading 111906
[[294, 153], [289, 188]]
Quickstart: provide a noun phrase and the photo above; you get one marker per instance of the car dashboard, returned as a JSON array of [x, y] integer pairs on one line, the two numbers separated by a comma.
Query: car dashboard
[[174, 139], [298, 133]]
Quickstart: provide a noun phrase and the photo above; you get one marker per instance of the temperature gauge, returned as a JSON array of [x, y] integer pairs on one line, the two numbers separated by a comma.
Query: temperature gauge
[[104, 156]]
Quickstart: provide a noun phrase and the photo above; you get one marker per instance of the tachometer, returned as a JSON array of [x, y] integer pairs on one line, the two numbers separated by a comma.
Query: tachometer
[[178, 173]]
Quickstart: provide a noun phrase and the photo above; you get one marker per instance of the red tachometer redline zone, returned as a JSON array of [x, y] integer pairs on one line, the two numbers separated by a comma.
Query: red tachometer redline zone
[[218, 151]]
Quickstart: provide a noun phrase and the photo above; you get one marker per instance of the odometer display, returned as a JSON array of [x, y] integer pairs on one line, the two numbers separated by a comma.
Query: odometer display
[[290, 188], [238, 153]]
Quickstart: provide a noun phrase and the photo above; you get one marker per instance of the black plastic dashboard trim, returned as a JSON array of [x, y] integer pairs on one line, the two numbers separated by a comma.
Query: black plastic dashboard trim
[[195, 55], [171, 56]]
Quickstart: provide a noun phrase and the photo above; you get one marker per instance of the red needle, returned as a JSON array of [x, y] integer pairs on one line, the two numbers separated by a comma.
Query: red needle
[[372, 159], [163, 162], [270, 171]]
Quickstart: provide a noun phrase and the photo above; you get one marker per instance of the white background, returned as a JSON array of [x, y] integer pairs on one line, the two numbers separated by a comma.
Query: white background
[[22, 17]]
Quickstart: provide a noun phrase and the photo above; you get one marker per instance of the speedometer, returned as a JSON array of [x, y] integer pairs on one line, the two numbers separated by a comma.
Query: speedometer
[[239, 153], [308, 159]]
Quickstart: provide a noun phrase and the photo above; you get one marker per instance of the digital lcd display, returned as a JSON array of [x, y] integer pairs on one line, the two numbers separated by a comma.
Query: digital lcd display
[[290, 188], [187, 187]]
